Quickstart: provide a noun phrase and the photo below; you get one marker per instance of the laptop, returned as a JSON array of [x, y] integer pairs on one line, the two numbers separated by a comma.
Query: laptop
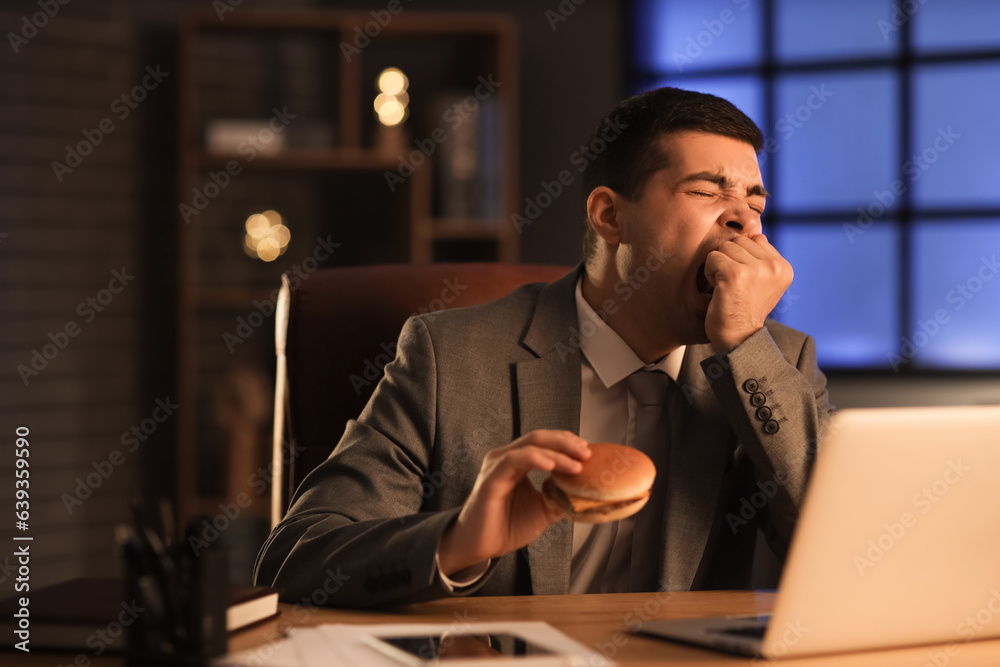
[[898, 542]]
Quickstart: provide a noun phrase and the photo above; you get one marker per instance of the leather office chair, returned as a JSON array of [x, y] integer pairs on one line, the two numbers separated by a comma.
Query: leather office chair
[[335, 330]]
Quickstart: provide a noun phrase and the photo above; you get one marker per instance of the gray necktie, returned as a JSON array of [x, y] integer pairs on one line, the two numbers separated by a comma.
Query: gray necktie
[[651, 390]]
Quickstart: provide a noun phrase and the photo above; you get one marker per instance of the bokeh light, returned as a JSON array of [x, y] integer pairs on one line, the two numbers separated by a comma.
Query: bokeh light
[[392, 102], [267, 236]]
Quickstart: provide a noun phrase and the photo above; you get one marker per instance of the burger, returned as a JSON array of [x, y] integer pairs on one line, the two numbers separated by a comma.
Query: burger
[[613, 484]]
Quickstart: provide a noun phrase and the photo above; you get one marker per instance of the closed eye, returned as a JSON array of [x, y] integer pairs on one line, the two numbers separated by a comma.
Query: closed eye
[[758, 210]]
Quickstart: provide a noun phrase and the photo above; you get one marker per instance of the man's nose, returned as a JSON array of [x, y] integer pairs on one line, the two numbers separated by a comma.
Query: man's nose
[[744, 220]]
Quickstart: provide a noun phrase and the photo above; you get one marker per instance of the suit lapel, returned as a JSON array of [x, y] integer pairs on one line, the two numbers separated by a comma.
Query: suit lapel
[[699, 447], [548, 396]]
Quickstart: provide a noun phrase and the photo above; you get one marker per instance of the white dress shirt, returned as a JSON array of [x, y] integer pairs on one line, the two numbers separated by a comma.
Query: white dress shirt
[[601, 553]]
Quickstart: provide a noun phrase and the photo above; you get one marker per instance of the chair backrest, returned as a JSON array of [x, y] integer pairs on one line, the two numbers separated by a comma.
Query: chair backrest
[[338, 331]]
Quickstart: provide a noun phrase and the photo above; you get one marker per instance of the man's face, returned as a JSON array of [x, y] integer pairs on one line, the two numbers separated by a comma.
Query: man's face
[[710, 192]]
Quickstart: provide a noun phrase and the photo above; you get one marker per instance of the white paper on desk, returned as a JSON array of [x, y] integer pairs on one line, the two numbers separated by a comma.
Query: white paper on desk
[[340, 644], [301, 648], [283, 653], [345, 641]]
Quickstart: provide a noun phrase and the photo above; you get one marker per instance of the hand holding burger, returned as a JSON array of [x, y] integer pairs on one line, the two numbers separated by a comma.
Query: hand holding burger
[[613, 484], [505, 511]]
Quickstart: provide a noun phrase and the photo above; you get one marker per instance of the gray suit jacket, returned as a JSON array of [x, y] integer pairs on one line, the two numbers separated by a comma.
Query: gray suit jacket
[[364, 526]]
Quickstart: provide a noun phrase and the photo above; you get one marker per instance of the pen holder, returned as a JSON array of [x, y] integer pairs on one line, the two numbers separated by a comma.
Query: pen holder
[[182, 598]]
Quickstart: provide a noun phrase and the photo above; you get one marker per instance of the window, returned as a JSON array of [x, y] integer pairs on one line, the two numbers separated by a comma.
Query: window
[[881, 142]]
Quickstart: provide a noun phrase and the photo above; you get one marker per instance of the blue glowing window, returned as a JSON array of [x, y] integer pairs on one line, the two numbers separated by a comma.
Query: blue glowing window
[[956, 137], [675, 37], [836, 139], [952, 26], [825, 29], [844, 294], [889, 242], [956, 295]]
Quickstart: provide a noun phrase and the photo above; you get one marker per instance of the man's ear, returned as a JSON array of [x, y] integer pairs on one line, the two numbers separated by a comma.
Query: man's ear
[[603, 211]]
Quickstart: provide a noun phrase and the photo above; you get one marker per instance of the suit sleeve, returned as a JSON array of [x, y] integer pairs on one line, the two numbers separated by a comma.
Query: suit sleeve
[[354, 535], [778, 405]]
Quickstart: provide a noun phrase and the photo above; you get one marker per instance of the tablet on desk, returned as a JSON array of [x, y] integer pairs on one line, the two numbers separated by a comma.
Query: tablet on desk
[[456, 649]]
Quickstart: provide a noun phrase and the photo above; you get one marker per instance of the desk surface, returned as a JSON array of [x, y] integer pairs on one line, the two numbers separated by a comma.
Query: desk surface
[[600, 622]]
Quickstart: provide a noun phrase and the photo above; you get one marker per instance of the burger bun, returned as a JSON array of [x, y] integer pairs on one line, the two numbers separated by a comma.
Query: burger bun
[[614, 483]]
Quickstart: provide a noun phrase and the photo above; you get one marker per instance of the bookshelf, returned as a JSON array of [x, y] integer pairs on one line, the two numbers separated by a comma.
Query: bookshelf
[[276, 113]]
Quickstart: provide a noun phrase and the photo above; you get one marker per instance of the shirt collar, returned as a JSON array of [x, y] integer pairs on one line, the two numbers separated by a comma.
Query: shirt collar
[[610, 356]]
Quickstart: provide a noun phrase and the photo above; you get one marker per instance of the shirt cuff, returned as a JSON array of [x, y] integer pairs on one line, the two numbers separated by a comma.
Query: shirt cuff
[[462, 578]]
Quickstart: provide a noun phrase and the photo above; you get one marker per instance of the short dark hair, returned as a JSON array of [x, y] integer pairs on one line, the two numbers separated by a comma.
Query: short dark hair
[[624, 151]]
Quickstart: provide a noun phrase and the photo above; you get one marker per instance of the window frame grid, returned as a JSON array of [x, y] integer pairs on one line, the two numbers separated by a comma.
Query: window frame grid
[[904, 65]]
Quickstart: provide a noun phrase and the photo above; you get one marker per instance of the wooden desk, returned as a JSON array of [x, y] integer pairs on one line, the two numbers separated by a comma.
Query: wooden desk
[[600, 622]]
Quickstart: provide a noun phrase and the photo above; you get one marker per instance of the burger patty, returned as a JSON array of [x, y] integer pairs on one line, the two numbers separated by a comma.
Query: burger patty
[[578, 505]]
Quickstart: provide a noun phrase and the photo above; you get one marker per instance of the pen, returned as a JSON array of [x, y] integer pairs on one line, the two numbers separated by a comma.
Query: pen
[[167, 526], [166, 576], [157, 625]]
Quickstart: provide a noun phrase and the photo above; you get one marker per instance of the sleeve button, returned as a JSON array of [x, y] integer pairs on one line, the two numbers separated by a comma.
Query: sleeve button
[[763, 413], [758, 399], [771, 427], [751, 385]]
